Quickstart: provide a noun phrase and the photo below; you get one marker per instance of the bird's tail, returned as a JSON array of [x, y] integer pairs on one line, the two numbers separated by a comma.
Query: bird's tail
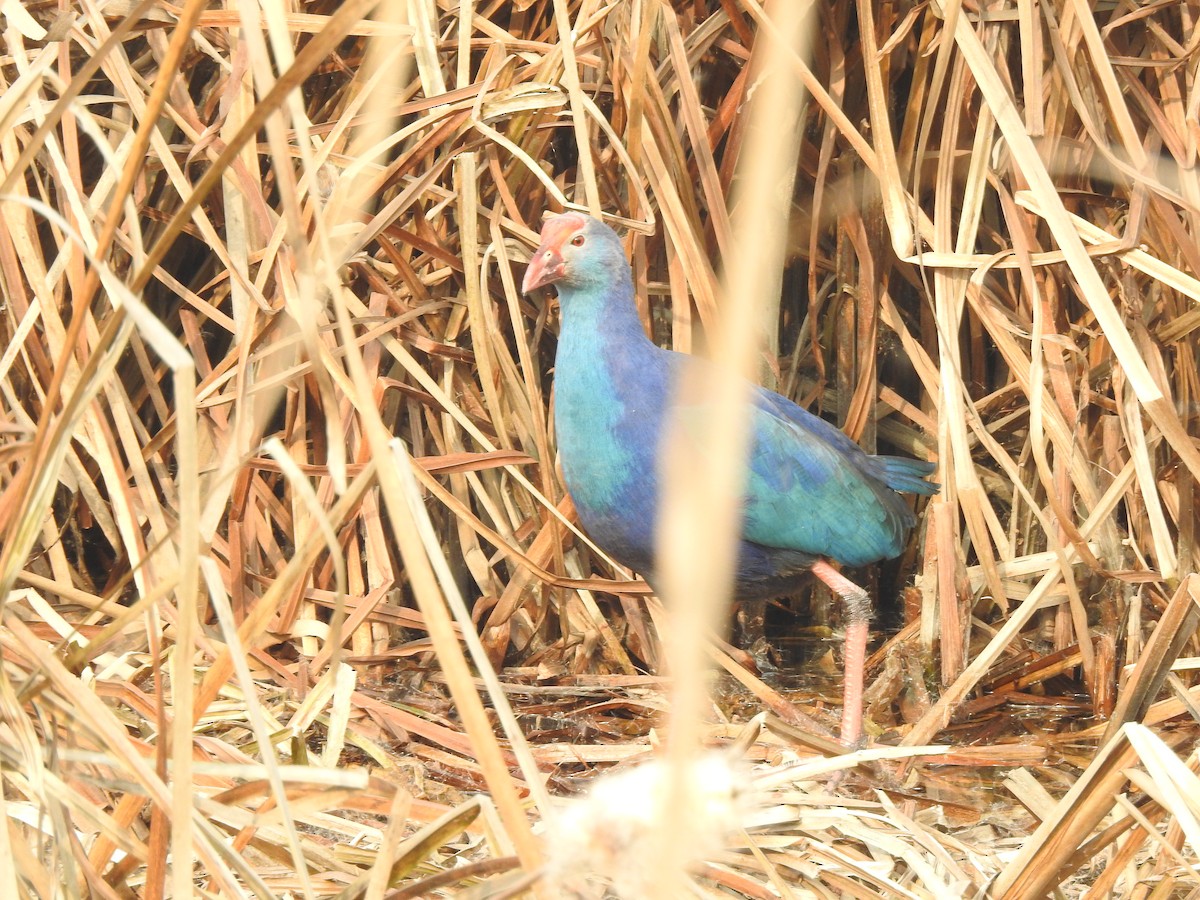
[[908, 475]]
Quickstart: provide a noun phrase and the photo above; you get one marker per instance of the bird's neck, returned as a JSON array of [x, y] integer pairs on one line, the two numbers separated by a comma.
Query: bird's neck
[[604, 360], [609, 388], [599, 319]]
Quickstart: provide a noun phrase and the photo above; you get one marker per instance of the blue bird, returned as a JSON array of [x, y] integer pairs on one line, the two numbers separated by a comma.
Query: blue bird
[[812, 495]]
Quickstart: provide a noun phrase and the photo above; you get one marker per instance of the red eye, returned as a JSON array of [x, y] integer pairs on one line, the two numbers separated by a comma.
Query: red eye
[[577, 241]]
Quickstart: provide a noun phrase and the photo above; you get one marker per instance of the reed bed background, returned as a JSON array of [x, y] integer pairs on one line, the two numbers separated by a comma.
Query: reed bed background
[[292, 600]]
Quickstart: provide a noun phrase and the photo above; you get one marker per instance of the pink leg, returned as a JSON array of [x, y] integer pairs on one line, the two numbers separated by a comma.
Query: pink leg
[[858, 608]]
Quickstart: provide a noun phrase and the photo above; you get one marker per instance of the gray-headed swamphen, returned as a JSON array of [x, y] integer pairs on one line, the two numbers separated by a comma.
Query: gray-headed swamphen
[[811, 494]]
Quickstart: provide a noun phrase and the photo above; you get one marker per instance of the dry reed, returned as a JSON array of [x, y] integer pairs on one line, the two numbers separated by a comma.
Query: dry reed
[[291, 601]]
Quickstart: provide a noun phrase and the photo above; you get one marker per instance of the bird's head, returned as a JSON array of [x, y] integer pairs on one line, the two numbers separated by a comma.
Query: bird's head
[[576, 251]]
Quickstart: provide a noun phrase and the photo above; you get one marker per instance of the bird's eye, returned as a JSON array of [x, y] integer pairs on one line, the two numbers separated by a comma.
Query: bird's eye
[[577, 241]]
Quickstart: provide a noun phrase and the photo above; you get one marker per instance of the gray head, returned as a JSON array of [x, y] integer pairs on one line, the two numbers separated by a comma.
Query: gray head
[[577, 252]]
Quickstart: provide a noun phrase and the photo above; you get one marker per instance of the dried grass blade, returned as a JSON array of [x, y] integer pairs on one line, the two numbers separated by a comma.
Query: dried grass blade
[[1175, 628], [587, 167], [897, 205], [1091, 286]]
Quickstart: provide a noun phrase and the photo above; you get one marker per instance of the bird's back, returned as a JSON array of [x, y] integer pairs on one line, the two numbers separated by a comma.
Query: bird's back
[[811, 488]]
